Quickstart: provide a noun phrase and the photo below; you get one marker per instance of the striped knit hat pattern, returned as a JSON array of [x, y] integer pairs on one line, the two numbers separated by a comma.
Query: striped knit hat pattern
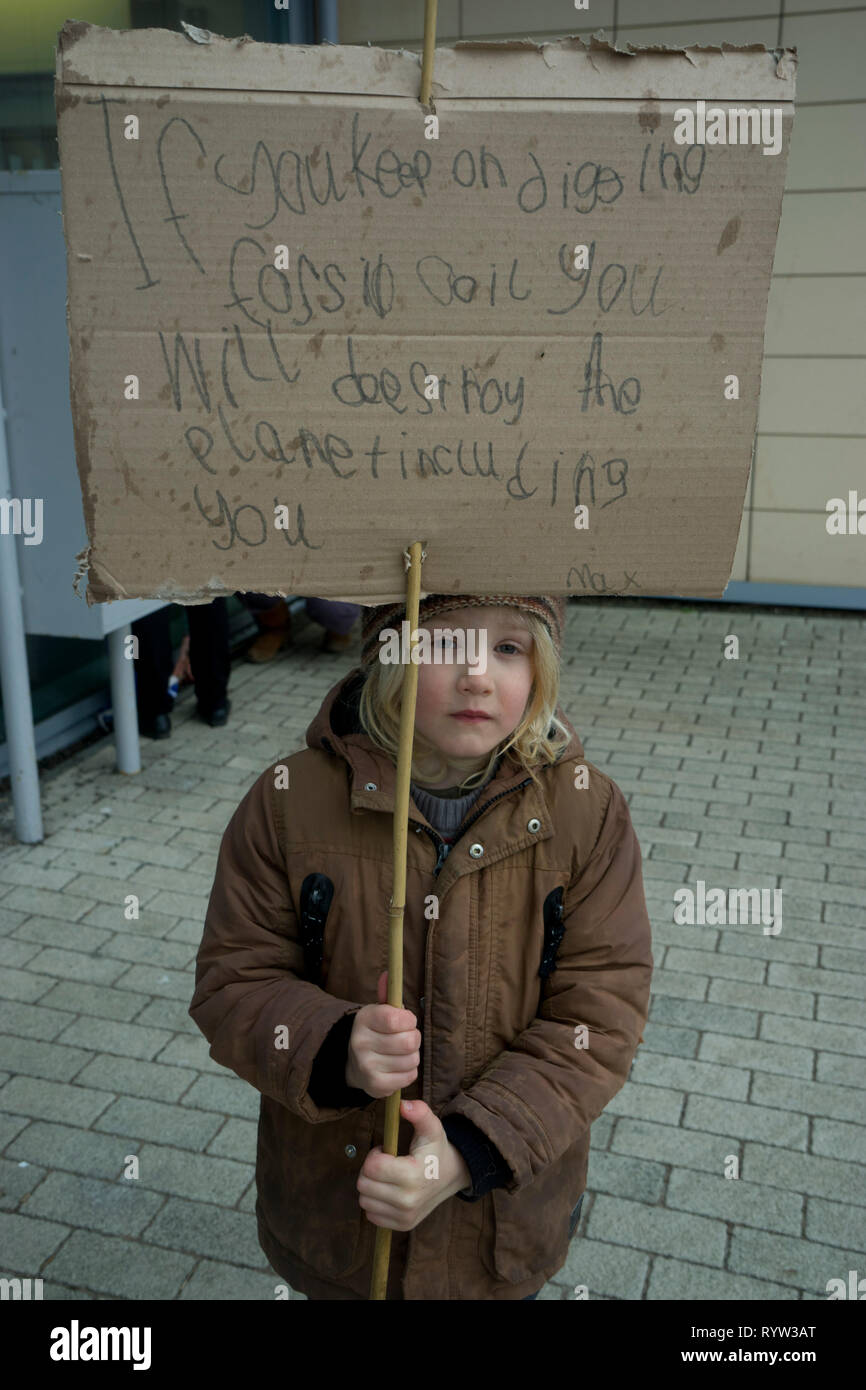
[[550, 609]]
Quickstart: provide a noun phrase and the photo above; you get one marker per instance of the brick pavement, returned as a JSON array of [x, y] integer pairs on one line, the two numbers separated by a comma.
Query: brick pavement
[[744, 773]]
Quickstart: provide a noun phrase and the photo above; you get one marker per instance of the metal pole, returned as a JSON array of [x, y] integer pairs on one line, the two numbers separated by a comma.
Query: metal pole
[[15, 677], [123, 702], [327, 21]]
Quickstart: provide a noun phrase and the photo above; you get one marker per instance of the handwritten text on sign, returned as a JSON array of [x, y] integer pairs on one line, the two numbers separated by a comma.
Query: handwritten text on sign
[[345, 336]]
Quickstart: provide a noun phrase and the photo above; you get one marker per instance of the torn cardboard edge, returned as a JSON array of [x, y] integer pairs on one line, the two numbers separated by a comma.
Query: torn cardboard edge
[[94, 55]]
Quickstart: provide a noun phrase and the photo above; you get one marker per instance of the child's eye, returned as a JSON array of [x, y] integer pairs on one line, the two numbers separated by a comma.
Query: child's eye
[[510, 644]]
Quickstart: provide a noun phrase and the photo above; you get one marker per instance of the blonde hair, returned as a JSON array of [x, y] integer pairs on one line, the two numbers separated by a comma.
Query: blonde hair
[[539, 738]]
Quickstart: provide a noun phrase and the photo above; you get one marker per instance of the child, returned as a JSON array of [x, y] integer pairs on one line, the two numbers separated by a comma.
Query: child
[[527, 965]]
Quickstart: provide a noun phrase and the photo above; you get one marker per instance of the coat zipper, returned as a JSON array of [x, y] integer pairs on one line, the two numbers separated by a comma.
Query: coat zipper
[[442, 854], [442, 848]]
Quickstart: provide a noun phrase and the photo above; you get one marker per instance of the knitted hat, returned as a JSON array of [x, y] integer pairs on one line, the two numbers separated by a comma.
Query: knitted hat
[[547, 607]]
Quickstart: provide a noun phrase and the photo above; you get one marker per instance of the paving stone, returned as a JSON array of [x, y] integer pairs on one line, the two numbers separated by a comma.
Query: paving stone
[[248, 1201], [213, 1280], [669, 1144], [10, 1126], [119, 1208], [106, 865], [168, 880], [191, 1052], [656, 1229], [794, 1002], [186, 1129], [123, 1075], [625, 1177], [70, 1149], [121, 1268], [17, 1181], [201, 1228], [9, 920], [760, 1055], [62, 1293], [53, 1061], [686, 1013], [22, 987], [154, 850], [27, 1243], [829, 1037], [836, 1223], [98, 888], [180, 904], [198, 1176], [149, 923], [838, 1102], [837, 1139], [733, 1200], [686, 1075], [840, 1010], [678, 1281], [161, 953], [712, 963], [236, 1139], [28, 1095], [605, 1269], [842, 1071], [803, 1264], [98, 1001], [189, 931], [171, 1014], [680, 1042], [47, 931], [150, 980], [819, 981], [678, 984], [31, 875], [810, 1174], [16, 953], [658, 1103], [770, 948], [746, 1121], [104, 1035], [75, 965]]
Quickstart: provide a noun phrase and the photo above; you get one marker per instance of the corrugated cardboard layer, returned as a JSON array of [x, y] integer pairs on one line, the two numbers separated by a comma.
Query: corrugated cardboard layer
[[303, 389]]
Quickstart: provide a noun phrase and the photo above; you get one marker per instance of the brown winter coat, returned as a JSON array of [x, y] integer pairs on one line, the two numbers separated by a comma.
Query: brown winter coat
[[498, 1040]]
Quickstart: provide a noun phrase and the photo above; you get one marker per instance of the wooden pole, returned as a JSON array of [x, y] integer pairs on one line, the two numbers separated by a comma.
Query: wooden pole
[[414, 556], [429, 47], [382, 1250]]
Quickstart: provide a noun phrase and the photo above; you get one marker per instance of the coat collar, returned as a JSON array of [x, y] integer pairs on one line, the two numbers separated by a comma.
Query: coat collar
[[337, 729]]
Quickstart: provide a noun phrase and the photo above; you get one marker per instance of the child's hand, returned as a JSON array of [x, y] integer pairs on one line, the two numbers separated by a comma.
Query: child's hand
[[398, 1192], [384, 1047]]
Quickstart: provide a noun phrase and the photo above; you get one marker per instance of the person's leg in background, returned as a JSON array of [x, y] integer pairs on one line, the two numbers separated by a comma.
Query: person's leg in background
[[337, 619], [153, 666], [210, 659], [274, 621]]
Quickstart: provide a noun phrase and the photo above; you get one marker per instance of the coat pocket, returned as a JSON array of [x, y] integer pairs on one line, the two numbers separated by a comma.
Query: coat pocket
[[530, 1229], [307, 1177]]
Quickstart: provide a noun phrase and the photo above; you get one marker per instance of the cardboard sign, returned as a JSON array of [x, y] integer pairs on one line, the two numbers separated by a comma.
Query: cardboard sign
[[307, 328]]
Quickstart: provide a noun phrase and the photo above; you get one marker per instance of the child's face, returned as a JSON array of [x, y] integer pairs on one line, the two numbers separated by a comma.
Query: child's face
[[501, 691]]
